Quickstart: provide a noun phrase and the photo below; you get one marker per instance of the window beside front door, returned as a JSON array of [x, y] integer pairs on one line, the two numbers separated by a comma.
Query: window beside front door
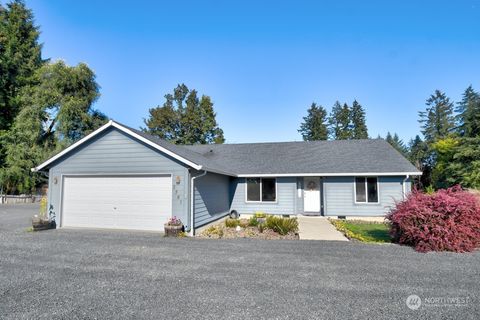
[[366, 190], [261, 189]]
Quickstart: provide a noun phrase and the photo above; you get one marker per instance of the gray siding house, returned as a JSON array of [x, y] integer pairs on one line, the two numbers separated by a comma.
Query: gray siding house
[[119, 177]]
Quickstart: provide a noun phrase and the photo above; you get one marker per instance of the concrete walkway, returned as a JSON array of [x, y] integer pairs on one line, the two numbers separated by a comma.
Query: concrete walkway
[[318, 228]]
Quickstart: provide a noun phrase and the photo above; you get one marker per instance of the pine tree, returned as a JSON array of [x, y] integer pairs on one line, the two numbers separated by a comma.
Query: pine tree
[[420, 155], [359, 126], [468, 114], [185, 119], [340, 122], [20, 57], [314, 125], [437, 120], [397, 143]]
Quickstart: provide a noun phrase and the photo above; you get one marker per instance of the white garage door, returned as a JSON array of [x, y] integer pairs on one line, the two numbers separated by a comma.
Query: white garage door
[[122, 202]]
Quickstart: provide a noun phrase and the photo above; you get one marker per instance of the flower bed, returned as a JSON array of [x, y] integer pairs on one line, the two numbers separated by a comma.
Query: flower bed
[[271, 228]]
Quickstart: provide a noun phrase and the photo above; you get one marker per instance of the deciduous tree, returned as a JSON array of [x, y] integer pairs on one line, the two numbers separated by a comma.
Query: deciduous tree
[[185, 118]]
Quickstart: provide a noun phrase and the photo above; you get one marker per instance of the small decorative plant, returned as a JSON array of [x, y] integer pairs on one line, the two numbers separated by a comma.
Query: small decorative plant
[[44, 220], [281, 225], [232, 223], [174, 221], [173, 227]]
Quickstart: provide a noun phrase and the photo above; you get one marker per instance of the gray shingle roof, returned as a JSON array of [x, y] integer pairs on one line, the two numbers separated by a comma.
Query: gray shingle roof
[[191, 155], [327, 157], [322, 157], [282, 158]]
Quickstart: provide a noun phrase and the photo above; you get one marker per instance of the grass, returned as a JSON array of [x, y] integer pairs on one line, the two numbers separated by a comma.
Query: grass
[[363, 231]]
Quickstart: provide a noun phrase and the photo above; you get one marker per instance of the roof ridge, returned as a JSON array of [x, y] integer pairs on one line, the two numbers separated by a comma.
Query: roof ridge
[[283, 142]]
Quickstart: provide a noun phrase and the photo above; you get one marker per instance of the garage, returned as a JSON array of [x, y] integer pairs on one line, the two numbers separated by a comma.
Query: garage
[[137, 202]]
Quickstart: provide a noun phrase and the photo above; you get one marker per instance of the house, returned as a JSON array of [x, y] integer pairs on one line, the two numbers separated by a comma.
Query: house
[[119, 177]]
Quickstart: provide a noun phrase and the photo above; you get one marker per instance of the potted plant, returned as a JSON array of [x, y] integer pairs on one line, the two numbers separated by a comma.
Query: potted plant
[[43, 221], [173, 227]]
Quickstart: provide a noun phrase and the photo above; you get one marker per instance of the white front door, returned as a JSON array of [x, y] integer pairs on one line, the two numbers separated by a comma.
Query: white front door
[[121, 202], [311, 194]]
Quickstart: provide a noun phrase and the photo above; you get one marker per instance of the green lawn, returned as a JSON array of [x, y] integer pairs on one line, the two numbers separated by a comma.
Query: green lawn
[[363, 231]]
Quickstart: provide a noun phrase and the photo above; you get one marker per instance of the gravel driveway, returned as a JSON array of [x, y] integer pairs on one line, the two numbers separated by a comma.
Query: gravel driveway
[[90, 274]]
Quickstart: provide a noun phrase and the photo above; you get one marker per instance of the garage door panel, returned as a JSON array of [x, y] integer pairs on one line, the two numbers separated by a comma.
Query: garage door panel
[[124, 202]]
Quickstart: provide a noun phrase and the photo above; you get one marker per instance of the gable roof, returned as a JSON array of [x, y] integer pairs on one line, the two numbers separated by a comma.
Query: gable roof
[[185, 156], [319, 158]]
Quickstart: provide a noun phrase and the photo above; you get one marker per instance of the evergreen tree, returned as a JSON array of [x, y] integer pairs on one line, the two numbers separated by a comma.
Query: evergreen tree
[[397, 143], [185, 119], [314, 125], [420, 156], [340, 122], [468, 114], [437, 120], [20, 57], [359, 126]]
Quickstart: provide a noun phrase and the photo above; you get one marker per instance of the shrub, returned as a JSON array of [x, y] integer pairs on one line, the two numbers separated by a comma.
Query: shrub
[[448, 220], [243, 223], [214, 231], [281, 225], [260, 214], [253, 221], [232, 223]]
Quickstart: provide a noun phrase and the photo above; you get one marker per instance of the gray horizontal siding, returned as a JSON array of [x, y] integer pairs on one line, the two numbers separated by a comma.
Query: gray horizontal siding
[[114, 152], [286, 198], [212, 199], [339, 197]]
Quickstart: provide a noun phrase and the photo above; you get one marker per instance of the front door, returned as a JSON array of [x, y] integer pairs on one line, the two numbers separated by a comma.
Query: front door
[[311, 194]]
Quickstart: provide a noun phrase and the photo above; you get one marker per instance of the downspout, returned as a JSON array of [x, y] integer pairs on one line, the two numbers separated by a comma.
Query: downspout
[[403, 185], [192, 198]]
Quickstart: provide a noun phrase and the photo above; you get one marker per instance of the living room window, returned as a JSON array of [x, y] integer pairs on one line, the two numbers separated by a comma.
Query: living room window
[[366, 190], [261, 189]]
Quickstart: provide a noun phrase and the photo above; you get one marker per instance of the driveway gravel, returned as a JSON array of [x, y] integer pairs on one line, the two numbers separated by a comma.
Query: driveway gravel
[[101, 274]]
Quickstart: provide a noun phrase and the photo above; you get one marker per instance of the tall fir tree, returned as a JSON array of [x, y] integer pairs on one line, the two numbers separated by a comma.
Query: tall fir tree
[[468, 114], [314, 125], [397, 143], [340, 122], [185, 119], [420, 156], [359, 126], [20, 57], [437, 121]]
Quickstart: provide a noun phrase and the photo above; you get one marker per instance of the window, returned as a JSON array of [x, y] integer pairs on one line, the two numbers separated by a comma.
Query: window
[[366, 190], [261, 189]]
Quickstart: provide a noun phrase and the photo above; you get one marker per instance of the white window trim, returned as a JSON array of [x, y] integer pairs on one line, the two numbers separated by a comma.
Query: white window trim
[[261, 189], [366, 191]]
